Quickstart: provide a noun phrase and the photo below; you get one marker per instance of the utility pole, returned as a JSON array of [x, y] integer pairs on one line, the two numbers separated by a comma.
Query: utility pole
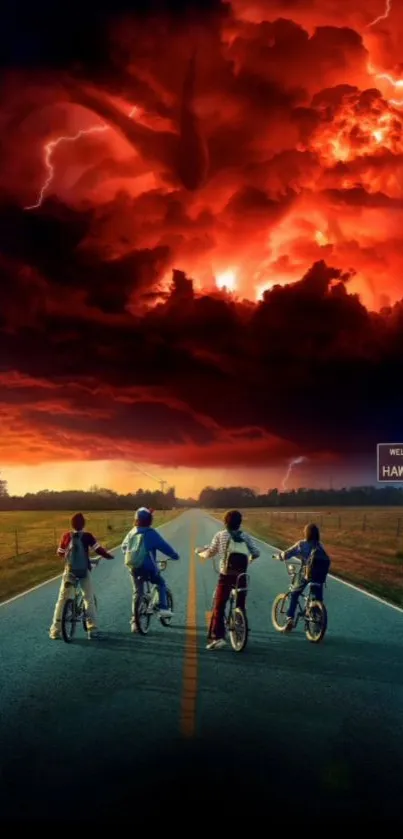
[[153, 478]]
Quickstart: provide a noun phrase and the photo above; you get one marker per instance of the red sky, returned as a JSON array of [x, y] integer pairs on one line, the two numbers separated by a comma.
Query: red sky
[[260, 148]]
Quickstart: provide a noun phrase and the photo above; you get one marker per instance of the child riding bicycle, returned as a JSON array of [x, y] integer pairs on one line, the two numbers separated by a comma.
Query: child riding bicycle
[[74, 547], [305, 549], [140, 547], [234, 548]]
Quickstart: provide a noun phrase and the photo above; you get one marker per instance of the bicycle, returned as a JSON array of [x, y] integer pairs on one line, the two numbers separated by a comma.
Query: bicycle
[[313, 612], [235, 619], [147, 603], [74, 610]]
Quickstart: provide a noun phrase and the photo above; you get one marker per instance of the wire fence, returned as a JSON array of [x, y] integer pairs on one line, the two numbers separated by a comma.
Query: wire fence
[[373, 521], [45, 533], [22, 541]]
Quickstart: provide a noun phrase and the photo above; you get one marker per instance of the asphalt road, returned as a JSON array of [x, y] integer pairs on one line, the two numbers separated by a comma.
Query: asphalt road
[[286, 729]]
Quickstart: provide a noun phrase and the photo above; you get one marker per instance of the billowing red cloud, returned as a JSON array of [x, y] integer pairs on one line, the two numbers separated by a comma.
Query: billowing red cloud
[[202, 380], [260, 150]]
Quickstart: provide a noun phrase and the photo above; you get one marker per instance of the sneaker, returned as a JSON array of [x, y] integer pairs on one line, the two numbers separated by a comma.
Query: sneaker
[[165, 613], [55, 635], [133, 627], [289, 625], [94, 635], [216, 645]]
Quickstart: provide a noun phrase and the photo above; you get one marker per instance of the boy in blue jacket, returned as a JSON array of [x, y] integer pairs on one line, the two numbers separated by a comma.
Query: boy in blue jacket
[[148, 570]]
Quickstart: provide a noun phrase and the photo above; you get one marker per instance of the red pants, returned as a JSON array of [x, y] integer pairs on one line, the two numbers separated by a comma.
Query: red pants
[[225, 583]]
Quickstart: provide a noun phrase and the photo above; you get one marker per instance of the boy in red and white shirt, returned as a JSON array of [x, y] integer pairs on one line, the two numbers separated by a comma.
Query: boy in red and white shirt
[[219, 545], [89, 543]]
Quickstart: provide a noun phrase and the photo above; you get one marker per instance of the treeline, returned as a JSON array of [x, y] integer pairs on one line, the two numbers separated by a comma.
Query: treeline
[[229, 497], [98, 498], [94, 499]]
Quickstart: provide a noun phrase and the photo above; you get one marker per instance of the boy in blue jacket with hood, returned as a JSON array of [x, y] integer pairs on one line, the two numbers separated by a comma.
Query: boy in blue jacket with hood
[[148, 570]]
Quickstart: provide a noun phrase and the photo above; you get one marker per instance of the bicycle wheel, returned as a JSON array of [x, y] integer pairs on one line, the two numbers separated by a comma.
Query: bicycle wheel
[[84, 615], [238, 630], [315, 621], [141, 615], [167, 621], [69, 620], [279, 611]]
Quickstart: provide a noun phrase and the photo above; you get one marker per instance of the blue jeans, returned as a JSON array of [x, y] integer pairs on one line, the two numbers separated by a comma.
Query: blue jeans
[[316, 591], [148, 571]]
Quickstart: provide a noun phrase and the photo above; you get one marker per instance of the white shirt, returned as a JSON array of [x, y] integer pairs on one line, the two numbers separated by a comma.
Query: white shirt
[[219, 546]]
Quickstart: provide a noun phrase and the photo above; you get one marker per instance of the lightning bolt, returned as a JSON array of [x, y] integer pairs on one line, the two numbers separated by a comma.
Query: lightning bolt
[[396, 83], [388, 9], [386, 77], [291, 464], [52, 145]]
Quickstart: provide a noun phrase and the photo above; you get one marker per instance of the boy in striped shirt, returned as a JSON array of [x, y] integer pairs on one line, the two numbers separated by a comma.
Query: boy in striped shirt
[[219, 545]]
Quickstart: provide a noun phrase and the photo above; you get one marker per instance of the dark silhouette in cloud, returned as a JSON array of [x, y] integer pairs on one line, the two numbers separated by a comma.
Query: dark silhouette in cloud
[[261, 154]]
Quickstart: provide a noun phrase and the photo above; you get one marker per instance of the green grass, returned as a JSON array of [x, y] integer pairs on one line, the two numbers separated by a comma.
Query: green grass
[[364, 543], [37, 538]]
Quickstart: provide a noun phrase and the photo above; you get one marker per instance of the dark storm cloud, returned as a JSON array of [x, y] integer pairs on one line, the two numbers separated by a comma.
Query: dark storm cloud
[[308, 364], [248, 128]]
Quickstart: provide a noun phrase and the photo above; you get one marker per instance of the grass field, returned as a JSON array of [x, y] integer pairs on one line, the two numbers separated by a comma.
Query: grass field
[[28, 542], [365, 543]]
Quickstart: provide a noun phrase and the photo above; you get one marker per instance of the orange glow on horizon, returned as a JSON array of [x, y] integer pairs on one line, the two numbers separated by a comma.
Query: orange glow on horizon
[[123, 478]]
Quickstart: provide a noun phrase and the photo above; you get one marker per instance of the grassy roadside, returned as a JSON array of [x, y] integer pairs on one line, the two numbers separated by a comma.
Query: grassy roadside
[[371, 558], [19, 573]]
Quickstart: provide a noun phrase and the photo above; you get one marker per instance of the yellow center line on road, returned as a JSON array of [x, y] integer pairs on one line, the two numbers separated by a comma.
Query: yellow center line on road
[[189, 692]]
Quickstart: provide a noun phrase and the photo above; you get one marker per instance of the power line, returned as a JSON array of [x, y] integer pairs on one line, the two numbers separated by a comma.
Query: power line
[[147, 474]]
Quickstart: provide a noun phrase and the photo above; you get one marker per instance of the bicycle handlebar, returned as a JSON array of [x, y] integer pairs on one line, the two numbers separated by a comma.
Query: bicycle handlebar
[[291, 558]]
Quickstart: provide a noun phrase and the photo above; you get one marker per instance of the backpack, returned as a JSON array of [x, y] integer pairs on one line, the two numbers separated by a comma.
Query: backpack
[[317, 566], [236, 557], [136, 552], [77, 557]]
